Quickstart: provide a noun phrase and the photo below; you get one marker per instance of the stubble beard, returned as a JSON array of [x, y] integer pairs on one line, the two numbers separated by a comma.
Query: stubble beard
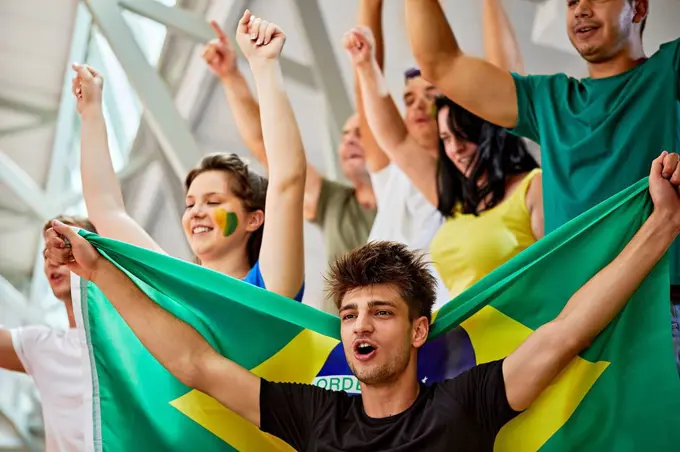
[[382, 374]]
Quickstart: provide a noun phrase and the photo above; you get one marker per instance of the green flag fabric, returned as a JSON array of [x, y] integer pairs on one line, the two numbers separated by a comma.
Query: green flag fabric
[[622, 393]]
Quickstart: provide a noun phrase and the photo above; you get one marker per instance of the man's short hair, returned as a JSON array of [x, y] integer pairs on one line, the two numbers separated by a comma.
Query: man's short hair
[[385, 263], [80, 222], [412, 72]]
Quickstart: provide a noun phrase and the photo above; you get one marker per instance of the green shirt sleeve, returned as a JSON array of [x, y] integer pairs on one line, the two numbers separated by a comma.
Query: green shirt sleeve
[[676, 61], [669, 52], [330, 193], [527, 123]]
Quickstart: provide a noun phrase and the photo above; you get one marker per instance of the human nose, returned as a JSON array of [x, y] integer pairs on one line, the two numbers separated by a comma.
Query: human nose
[[363, 324], [583, 9]]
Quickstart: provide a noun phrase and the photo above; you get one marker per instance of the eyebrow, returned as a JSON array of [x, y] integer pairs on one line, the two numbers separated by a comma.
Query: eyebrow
[[371, 304], [212, 193]]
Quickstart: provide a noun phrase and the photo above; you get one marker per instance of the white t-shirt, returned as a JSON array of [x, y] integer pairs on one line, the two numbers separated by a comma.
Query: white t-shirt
[[54, 359], [405, 216]]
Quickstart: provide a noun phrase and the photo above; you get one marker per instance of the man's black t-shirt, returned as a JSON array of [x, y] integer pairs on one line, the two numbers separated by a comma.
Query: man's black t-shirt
[[461, 414]]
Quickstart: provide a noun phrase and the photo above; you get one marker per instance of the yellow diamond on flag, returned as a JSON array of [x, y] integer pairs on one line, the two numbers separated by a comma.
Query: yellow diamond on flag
[[494, 335], [299, 361]]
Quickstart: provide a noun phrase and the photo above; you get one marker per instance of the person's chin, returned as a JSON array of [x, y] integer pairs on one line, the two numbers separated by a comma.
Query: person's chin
[[355, 170], [589, 52], [203, 252], [423, 131], [420, 125], [62, 291], [199, 245]]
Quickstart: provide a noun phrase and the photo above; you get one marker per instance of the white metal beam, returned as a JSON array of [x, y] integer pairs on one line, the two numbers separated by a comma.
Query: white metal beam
[[15, 301], [58, 172], [25, 188], [35, 124], [23, 107], [197, 28], [550, 28], [327, 73], [61, 150], [10, 440], [11, 221], [134, 166], [13, 388], [172, 132], [198, 81]]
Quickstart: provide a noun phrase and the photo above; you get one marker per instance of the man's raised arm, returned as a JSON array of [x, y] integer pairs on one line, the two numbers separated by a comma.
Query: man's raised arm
[[546, 353], [475, 84], [9, 359], [500, 42], [176, 345]]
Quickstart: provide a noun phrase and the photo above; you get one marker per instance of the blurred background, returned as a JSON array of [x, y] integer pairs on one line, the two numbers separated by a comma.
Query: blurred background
[[149, 52]]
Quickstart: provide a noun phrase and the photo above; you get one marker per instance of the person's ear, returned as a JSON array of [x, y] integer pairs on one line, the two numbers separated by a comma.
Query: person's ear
[[641, 8], [254, 220], [421, 329]]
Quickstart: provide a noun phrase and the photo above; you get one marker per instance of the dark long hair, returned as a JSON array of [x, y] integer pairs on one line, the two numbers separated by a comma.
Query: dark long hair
[[499, 155], [246, 185]]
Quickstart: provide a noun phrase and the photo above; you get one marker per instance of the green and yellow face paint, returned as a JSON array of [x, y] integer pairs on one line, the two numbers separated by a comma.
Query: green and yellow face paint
[[226, 221]]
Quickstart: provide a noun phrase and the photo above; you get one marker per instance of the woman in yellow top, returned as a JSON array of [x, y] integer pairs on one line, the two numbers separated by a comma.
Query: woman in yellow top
[[489, 189]]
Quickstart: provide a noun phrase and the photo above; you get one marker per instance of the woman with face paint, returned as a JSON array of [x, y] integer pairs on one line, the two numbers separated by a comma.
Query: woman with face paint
[[224, 220]]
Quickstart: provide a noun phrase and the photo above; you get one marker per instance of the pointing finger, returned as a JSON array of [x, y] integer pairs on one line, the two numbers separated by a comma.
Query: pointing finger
[[218, 31]]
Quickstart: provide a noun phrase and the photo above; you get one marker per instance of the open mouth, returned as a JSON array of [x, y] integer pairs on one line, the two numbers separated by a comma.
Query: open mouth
[[364, 350], [56, 277], [586, 30], [198, 230]]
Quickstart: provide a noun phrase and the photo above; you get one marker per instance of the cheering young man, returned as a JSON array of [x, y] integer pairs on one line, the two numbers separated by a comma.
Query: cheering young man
[[385, 295]]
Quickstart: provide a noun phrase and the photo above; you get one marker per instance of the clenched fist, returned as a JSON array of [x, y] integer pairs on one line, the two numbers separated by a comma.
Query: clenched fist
[[64, 246], [360, 45], [259, 39], [664, 186], [87, 86]]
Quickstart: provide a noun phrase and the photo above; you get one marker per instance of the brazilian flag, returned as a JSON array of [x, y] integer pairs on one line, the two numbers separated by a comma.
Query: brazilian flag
[[621, 394]]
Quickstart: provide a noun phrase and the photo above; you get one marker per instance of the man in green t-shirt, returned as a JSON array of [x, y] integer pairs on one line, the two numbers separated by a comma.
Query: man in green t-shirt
[[596, 134]]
